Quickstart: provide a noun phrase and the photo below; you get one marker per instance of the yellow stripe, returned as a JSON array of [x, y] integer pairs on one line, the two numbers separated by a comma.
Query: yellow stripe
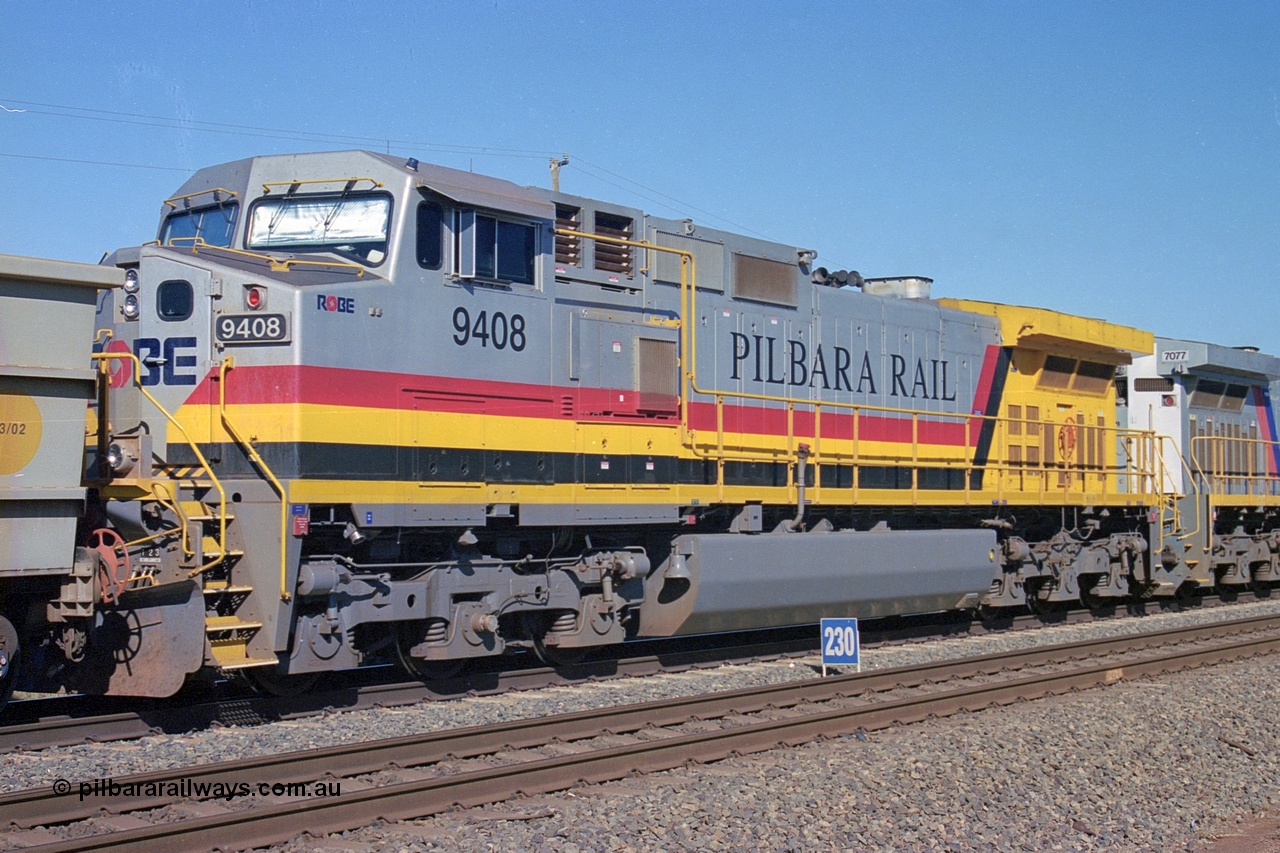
[[381, 492], [269, 422], [372, 426]]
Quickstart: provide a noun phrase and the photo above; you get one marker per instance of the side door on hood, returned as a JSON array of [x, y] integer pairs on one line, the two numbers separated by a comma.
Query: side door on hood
[[175, 347]]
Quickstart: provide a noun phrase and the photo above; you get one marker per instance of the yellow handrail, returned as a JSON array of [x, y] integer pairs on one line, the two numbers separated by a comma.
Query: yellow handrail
[[102, 358], [1217, 450], [686, 261], [1158, 442], [277, 265], [172, 202], [227, 364], [716, 450], [349, 182], [1156, 445], [173, 505]]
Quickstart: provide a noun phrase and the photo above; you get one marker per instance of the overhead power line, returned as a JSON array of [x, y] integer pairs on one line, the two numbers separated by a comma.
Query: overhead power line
[[596, 172], [144, 120], [95, 162]]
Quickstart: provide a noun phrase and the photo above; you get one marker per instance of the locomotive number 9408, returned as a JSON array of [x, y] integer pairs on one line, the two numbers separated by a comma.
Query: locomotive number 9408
[[252, 328], [496, 329]]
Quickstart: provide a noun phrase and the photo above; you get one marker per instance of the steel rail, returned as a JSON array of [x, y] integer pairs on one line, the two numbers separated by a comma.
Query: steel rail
[[62, 725], [41, 806], [277, 823], [60, 721]]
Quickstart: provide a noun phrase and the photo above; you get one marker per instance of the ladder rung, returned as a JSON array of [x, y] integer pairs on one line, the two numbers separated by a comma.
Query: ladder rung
[[220, 587], [192, 484], [211, 547], [219, 624], [196, 511], [234, 654], [246, 663]]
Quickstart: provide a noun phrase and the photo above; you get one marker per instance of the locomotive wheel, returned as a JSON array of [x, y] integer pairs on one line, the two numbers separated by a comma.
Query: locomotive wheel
[[555, 656], [1092, 601], [536, 628], [10, 657], [1260, 588], [995, 617], [422, 669], [273, 683], [1047, 611]]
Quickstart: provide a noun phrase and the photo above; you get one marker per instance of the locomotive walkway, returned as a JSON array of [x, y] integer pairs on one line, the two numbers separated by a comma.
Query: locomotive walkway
[[435, 772]]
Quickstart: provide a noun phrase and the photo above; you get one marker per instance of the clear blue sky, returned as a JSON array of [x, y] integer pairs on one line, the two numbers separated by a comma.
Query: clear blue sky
[[1117, 159]]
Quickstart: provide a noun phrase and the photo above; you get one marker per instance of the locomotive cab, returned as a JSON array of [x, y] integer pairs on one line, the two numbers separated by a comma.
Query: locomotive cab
[[1215, 407]]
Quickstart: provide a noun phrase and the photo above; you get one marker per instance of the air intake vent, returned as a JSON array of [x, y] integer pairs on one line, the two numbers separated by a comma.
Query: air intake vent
[[1156, 386], [611, 257], [568, 249], [764, 280]]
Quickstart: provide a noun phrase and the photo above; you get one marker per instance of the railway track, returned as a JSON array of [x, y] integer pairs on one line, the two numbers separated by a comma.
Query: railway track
[[421, 775], [43, 723], [68, 720]]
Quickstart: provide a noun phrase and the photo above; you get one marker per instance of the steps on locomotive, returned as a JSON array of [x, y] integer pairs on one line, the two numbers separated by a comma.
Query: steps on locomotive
[[229, 635], [195, 510], [224, 587], [210, 547], [205, 519], [228, 631], [229, 638]]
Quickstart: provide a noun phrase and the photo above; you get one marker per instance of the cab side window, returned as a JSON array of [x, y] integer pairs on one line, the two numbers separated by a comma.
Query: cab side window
[[175, 300], [430, 235], [504, 250], [490, 249]]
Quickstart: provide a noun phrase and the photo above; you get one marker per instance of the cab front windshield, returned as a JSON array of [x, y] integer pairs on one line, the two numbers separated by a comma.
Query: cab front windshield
[[354, 226], [213, 225]]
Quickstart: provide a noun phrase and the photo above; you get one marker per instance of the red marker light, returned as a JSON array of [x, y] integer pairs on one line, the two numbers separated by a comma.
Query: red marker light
[[254, 298]]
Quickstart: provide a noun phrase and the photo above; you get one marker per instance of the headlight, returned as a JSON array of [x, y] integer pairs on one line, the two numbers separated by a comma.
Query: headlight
[[130, 308], [255, 298], [131, 281], [118, 460]]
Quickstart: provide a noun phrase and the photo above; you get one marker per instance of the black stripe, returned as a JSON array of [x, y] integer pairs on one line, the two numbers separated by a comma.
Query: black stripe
[[332, 461], [986, 435], [893, 477], [325, 461]]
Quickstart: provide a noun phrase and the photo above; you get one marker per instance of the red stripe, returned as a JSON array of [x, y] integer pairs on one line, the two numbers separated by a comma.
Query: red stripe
[[1267, 422], [986, 380], [325, 386], [330, 386], [757, 419]]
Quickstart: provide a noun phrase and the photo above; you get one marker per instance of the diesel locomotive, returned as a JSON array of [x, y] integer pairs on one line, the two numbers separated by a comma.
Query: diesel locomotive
[[350, 407]]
